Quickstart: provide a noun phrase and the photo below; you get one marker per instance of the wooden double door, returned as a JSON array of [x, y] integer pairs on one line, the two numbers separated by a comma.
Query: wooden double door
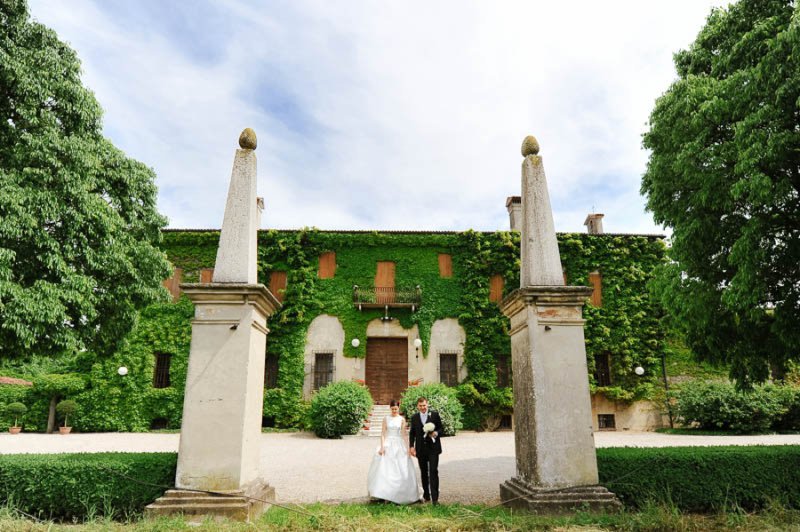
[[386, 371]]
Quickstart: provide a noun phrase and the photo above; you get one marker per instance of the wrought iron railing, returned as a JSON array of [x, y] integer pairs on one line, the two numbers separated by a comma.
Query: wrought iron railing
[[384, 297]]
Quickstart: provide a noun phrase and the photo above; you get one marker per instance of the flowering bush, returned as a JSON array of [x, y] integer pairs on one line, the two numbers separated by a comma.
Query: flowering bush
[[339, 408], [440, 398]]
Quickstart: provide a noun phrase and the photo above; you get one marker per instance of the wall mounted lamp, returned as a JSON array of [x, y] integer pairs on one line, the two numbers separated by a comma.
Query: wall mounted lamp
[[355, 342], [122, 370], [639, 370], [417, 345]]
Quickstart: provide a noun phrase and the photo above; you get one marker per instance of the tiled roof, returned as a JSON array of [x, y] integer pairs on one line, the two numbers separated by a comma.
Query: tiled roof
[[402, 231], [12, 380]]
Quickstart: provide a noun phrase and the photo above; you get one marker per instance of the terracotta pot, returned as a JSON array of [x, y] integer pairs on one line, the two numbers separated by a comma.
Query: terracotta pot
[[14, 430], [64, 430]]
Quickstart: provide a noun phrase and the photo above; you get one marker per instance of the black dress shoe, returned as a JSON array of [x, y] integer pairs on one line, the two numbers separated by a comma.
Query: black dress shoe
[[435, 502]]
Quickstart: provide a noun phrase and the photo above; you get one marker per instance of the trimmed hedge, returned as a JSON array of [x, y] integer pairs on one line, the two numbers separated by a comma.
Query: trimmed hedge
[[703, 479], [67, 486], [339, 409]]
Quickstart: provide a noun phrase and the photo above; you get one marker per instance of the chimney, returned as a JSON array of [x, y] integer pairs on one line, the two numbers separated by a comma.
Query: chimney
[[594, 223], [514, 206]]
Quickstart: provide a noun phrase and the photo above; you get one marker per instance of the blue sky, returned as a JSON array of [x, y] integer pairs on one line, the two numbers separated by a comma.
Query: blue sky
[[378, 115]]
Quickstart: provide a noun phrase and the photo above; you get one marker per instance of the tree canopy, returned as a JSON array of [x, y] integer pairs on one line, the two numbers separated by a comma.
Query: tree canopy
[[724, 174], [78, 222]]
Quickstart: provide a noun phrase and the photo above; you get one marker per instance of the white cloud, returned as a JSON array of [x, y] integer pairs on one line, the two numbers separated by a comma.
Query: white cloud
[[381, 115]]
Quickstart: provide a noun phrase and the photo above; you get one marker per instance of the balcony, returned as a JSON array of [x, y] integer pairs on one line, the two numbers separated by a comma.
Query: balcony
[[386, 298]]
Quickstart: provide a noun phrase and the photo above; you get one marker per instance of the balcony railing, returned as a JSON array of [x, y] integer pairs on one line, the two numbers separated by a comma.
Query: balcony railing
[[381, 297]]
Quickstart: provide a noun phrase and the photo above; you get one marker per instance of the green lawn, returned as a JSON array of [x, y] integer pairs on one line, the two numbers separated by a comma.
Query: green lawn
[[444, 517]]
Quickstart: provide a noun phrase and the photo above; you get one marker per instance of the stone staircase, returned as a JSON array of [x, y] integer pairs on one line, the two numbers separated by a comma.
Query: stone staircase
[[372, 427], [197, 505]]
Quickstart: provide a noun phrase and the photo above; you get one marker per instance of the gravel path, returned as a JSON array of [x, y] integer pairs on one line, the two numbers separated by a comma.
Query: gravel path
[[310, 469]]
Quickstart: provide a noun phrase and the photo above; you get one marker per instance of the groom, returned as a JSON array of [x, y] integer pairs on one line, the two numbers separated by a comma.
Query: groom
[[427, 447]]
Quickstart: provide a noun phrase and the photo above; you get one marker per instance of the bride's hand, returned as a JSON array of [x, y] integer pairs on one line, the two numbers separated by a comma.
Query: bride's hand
[[381, 451]]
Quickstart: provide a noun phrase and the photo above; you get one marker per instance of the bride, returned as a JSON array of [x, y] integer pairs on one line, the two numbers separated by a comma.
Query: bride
[[392, 475]]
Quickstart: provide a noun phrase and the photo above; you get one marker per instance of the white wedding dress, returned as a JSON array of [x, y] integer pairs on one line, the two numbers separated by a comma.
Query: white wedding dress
[[393, 475]]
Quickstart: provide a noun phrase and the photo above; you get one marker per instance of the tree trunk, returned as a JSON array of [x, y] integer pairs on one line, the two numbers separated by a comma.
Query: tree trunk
[[51, 417]]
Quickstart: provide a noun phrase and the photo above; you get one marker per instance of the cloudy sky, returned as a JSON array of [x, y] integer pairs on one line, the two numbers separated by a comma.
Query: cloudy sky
[[383, 115]]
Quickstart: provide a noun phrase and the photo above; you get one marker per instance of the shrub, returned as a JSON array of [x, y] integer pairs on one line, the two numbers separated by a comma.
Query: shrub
[[66, 409], [440, 398], [483, 411], [286, 409], [16, 410], [719, 405], [67, 486], [339, 408], [701, 479], [790, 399]]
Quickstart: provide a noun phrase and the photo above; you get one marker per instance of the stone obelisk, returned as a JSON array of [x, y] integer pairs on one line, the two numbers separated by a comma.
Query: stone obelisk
[[223, 403], [555, 453]]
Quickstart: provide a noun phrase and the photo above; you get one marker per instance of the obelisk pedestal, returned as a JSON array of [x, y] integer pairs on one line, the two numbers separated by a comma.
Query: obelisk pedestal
[[555, 453], [223, 402]]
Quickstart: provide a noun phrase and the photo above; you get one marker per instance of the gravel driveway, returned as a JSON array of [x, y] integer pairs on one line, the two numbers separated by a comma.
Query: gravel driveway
[[310, 469]]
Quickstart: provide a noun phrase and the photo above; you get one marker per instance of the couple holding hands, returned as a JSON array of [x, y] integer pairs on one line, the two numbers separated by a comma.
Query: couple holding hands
[[392, 475]]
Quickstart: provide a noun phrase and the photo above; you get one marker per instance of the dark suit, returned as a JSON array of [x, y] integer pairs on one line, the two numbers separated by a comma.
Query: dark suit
[[428, 452]]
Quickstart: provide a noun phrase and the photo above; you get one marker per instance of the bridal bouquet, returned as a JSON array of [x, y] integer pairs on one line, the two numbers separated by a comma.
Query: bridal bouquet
[[428, 428]]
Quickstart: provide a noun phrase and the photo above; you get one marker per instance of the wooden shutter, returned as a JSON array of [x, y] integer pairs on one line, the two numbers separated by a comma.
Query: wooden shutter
[[496, 284], [277, 284], [445, 265], [173, 284], [206, 275], [596, 280], [384, 282], [327, 265]]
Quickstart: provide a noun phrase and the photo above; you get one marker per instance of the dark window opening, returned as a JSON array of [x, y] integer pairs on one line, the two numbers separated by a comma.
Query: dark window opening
[[271, 372], [503, 371], [159, 423], [161, 371], [448, 369], [323, 370], [267, 421], [602, 369], [606, 422], [506, 422]]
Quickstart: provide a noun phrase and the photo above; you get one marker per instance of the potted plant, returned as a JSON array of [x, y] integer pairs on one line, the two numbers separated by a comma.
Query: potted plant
[[16, 410], [66, 409]]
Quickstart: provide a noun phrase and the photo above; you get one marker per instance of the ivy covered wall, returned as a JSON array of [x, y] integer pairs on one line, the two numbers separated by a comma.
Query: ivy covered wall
[[626, 326]]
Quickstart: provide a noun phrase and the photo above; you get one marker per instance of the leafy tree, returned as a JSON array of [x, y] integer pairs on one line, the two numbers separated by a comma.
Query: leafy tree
[[724, 174], [78, 219]]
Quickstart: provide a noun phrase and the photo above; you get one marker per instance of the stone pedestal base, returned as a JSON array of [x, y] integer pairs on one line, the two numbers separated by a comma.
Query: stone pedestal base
[[516, 493], [240, 505]]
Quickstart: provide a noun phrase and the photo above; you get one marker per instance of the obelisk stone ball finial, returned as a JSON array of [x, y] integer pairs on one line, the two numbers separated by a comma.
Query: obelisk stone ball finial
[[247, 140], [530, 146]]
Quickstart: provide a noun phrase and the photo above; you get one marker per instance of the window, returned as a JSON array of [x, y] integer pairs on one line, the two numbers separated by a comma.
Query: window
[[496, 285], [448, 369], [445, 265], [173, 284], [506, 422], [327, 265], [277, 284], [161, 371], [606, 422], [206, 275], [159, 423], [503, 371], [323, 370], [602, 369], [596, 280], [271, 372]]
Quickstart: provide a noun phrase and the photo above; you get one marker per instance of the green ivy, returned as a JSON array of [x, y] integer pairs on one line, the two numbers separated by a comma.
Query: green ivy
[[627, 325]]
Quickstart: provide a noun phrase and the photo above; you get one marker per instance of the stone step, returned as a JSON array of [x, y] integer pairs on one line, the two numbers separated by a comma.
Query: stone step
[[222, 494], [209, 500], [233, 511]]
